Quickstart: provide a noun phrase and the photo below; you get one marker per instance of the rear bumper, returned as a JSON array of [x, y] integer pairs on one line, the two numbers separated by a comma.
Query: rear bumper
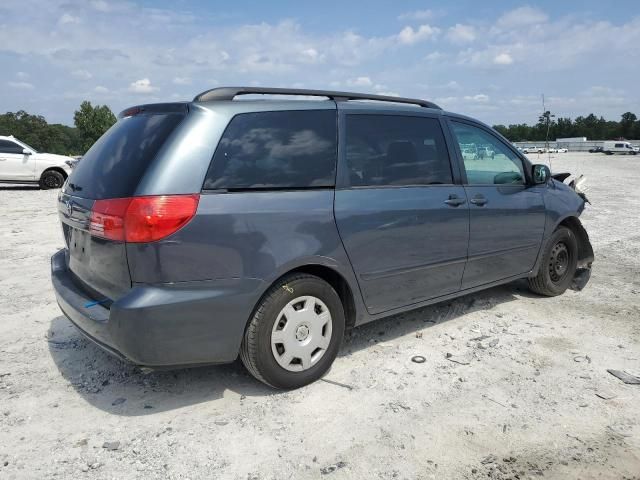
[[186, 323]]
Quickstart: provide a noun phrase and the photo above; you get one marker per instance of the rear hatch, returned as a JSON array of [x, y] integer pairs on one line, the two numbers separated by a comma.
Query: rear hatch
[[112, 169]]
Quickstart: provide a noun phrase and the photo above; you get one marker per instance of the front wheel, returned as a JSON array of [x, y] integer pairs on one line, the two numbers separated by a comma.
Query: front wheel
[[559, 263], [51, 179], [295, 332]]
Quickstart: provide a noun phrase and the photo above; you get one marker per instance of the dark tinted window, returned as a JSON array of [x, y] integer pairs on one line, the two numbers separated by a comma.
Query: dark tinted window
[[7, 146], [486, 159], [396, 150], [292, 149], [114, 165]]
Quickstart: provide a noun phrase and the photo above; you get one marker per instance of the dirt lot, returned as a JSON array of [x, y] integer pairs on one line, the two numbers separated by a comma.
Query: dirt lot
[[524, 401]]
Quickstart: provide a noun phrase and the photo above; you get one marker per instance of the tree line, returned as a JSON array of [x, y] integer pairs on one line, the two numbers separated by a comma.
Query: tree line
[[592, 127], [90, 123]]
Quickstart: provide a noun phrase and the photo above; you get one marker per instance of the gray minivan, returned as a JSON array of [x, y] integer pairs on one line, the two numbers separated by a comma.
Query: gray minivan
[[199, 231]]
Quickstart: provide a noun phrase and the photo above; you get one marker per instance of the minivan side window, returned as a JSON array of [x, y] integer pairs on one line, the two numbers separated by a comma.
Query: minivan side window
[[276, 150], [383, 150], [7, 146], [486, 159]]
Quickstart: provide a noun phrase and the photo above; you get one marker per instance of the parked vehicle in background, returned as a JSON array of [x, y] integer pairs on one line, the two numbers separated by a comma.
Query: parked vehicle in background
[[618, 147], [485, 152], [533, 150], [552, 150], [246, 228], [596, 150], [563, 150], [20, 163]]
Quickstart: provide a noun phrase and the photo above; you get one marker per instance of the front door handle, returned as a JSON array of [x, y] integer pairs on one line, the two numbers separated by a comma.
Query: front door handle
[[454, 201], [479, 200]]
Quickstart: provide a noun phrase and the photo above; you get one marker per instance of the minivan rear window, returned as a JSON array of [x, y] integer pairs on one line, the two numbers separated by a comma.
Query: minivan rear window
[[276, 150], [114, 165]]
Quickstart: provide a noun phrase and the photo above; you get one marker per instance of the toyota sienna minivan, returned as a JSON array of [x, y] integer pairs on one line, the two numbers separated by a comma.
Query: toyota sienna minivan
[[201, 231]]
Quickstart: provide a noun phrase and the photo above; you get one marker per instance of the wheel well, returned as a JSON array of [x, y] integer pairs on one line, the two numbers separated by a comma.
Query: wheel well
[[585, 251], [57, 169], [339, 284]]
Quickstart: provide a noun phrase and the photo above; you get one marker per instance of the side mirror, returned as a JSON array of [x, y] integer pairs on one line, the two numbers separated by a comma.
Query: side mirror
[[541, 174], [26, 151]]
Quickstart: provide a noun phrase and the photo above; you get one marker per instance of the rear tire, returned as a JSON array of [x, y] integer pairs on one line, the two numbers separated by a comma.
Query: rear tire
[[295, 332], [51, 179], [558, 265]]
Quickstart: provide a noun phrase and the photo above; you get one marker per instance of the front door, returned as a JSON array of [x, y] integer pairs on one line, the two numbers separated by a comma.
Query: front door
[[14, 164], [507, 214], [402, 220]]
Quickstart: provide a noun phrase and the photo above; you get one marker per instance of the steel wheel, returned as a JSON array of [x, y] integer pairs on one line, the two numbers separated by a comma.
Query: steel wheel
[[559, 262], [301, 333]]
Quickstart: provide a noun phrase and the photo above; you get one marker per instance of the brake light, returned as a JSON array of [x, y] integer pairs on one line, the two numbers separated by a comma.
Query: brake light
[[141, 219]]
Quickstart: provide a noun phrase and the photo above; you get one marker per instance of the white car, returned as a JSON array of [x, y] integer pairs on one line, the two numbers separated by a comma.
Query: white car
[[19, 163], [563, 150], [533, 150]]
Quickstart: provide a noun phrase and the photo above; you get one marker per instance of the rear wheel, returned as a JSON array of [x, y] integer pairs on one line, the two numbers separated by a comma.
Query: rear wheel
[[295, 333], [51, 179], [558, 265]]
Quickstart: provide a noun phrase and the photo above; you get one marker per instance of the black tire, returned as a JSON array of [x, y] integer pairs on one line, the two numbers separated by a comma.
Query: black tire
[[558, 265], [51, 179], [256, 353]]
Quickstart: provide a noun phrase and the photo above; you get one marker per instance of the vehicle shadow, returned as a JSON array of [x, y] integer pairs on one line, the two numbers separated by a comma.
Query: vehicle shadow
[[122, 389], [18, 187]]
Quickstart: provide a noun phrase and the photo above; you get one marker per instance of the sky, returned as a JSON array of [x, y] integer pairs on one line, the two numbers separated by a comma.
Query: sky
[[490, 60]]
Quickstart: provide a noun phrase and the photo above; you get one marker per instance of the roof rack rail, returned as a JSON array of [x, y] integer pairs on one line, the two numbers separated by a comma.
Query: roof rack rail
[[229, 93]]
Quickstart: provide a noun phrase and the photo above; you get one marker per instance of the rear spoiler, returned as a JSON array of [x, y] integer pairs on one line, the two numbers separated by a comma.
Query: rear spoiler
[[151, 108]]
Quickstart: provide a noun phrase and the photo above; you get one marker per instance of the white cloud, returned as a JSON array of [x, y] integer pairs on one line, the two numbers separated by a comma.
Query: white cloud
[[67, 19], [182, 81], [522, 16], [22, 75], [142, 86], [83, 74], [433, 56], [503, 59], [460, 34], [388, 94], [21, 85], [480, 98], [360, 82], [409, 36], [416, 15], [101, 89]]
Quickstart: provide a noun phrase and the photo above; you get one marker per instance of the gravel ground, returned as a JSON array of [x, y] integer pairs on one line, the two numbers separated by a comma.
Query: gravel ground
[[514, 385]]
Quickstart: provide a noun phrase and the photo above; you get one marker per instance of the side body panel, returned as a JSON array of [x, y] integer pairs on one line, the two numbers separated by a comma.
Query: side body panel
[[505, 233], [405, 243], [15, 167], [507, 222]]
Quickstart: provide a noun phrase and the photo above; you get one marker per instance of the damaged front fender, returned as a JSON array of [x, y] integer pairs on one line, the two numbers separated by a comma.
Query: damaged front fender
[[585, 254]]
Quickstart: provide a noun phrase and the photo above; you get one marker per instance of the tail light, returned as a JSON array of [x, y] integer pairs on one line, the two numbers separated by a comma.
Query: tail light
[[141, 219]]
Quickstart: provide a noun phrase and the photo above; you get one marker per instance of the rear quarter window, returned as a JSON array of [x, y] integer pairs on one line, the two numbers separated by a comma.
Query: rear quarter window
[[276, 150], [115, 164]]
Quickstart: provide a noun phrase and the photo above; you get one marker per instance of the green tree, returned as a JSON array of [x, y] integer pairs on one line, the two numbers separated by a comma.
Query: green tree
[[92, 122], [627, 124]]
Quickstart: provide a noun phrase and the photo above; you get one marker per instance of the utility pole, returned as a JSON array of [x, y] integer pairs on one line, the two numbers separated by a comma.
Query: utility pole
[[545, 119]]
